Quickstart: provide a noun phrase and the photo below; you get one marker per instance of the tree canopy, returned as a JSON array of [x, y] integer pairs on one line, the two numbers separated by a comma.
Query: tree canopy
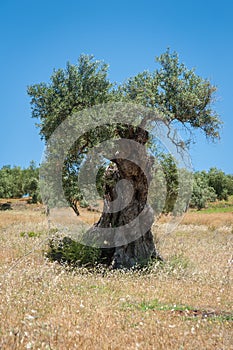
[[178, 93]]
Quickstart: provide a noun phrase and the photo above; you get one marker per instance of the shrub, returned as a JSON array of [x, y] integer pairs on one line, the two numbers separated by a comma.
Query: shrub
[[67, 251], [83, 203]]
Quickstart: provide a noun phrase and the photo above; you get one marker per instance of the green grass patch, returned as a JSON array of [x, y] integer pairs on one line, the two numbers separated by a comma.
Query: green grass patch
[[30, 234], [216, 209], [185, 311], [156, 305], [223, 318]]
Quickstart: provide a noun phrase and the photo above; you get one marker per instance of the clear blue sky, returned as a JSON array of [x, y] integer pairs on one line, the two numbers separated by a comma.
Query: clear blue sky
[[38, 36]]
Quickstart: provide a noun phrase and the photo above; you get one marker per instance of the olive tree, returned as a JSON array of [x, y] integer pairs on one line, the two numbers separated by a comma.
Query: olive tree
[[182, 99]]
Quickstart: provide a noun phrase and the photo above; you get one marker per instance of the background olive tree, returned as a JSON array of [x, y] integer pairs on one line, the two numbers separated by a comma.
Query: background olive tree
[[16, 182]]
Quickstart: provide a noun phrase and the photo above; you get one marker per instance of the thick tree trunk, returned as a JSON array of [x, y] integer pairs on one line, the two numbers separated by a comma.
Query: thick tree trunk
[[125, 205]]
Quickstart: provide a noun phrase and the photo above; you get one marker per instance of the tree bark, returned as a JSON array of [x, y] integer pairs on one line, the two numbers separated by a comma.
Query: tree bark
[[126, 206]]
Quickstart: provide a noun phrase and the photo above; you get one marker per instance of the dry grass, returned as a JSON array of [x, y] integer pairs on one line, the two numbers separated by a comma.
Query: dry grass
[[45, 306], [211, 219]]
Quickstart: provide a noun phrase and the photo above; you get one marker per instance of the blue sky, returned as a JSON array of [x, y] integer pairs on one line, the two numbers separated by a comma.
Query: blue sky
[[38, 36]]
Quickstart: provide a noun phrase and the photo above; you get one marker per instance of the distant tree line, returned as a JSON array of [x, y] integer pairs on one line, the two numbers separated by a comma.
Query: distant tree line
[[16, 182], [210, 186], [207, 187]]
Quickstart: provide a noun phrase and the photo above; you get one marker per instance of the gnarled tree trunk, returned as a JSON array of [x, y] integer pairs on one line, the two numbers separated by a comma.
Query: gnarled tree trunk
[[126, 209]]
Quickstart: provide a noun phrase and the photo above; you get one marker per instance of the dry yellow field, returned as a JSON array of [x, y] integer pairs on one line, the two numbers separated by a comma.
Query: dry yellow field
[[186, 303]]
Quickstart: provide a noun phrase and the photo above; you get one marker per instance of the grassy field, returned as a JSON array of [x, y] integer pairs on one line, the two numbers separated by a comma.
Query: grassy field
[[185, 303]]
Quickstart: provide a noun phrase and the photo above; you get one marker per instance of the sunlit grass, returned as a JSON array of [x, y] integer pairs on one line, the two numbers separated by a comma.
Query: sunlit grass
[[184, 303]]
